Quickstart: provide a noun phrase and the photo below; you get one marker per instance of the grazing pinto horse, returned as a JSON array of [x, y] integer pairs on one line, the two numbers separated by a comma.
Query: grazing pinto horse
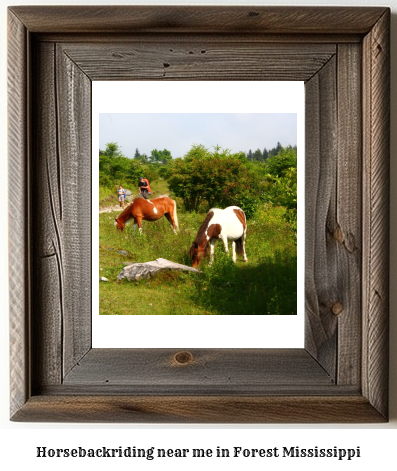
[[225, 224], [149, 210]]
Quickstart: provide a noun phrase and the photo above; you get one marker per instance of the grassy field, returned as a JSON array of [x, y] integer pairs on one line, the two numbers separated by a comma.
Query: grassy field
[[264, 285]]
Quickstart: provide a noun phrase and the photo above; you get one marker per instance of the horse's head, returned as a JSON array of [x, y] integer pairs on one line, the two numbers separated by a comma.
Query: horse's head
[[197, 253], [120, 225]]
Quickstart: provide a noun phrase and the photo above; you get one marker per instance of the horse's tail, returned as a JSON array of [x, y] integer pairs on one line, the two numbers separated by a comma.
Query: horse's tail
[[175, 216], [239, 246]]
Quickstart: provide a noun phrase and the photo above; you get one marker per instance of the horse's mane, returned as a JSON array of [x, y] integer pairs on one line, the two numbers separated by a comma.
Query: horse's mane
[[126, 210], [203, 226]]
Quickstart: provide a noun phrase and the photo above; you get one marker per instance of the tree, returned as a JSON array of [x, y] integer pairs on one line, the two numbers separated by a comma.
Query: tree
[[115, 168], [285, 189], [217, 178], [258, 156], [277, 165], [284, 193], [197, 152], [282, 183], [140, 157], [113, 150], [160, 156]]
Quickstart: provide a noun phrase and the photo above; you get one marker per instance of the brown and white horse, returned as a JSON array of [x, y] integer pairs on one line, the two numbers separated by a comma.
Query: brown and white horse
[[225, 224], [148, 210]]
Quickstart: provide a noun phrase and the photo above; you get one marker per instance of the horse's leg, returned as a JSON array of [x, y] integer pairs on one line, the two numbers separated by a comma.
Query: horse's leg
[[171, 221], [243, 247], [234, 251], [212, 250], [224, 240], [134, 225], [139, 222]]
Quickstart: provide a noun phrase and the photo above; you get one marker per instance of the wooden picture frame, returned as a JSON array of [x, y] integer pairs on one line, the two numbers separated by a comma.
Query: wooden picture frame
[[342, 54]]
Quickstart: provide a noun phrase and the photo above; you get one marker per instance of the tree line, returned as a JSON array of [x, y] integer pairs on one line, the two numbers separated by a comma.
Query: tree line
[[262, 156], [206, 178], [115, 168]]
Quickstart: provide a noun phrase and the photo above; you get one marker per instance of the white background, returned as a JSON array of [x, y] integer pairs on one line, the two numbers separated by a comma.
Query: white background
[[198, 331], [19, 441]]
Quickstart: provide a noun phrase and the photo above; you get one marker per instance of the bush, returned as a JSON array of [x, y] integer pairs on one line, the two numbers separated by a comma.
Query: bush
[[117, 169], [284, 193], [216, 178], [278, 165]]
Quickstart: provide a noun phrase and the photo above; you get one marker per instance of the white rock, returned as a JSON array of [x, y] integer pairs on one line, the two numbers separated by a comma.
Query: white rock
[[137, 271]]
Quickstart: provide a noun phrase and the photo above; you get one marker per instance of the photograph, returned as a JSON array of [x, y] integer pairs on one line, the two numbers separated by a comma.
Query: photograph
[[226, 170], [198, 213]]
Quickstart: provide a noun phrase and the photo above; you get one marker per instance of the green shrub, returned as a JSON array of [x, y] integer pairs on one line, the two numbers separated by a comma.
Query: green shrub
[[214, 179]]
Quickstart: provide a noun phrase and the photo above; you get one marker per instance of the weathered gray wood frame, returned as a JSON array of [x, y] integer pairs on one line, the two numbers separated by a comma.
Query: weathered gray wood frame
[[342, 54]]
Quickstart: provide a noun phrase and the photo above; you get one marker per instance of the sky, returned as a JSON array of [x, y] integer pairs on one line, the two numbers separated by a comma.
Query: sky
[[177, 132]]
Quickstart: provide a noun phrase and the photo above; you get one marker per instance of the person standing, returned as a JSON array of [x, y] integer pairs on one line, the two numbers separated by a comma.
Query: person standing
[[144, 188], [121, 195]]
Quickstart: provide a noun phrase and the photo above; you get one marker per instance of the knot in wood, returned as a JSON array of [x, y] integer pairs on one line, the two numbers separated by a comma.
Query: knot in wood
[[338, 235], [337, 308], [183, 358]]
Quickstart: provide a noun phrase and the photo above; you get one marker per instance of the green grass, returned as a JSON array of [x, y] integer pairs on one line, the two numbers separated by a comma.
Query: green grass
[[107, 197], [264, 285], [159, 187]]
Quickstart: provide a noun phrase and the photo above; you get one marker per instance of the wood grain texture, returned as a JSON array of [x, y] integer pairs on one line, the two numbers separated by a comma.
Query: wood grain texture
[[199, 409], [19, 240], [199, 19], [205, 38], [227, 369], [347, 225], [73, 90], [62, 224], [376, 90], [321, 261], [47, 292], [341, 375], [215, 59]]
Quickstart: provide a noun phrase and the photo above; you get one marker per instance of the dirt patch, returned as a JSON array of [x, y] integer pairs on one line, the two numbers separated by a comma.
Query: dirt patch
[[110, 209]]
